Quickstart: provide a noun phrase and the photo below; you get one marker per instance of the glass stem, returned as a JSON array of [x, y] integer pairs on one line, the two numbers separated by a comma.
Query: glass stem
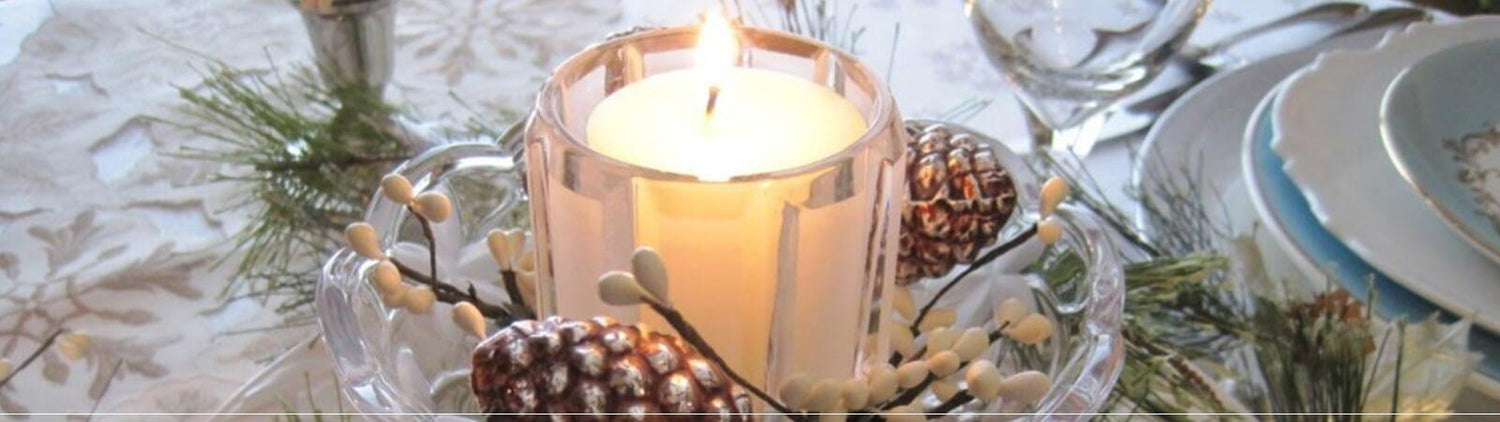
[[1079, 138]]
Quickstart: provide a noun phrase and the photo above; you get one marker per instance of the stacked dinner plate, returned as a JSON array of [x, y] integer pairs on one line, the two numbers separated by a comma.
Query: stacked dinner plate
[[1370, 161]]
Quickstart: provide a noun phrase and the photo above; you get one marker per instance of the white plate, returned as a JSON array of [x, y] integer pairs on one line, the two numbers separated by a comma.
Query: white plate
[[1203, 133], [1425, 116], [1200, 133], [1326, 129], [1284, 211]]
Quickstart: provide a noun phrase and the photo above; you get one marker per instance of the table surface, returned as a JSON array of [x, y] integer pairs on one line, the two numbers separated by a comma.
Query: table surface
[[103, 232]]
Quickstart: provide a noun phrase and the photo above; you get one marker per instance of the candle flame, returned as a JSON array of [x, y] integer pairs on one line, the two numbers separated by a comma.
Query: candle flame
[[716, 49], [713, 56]]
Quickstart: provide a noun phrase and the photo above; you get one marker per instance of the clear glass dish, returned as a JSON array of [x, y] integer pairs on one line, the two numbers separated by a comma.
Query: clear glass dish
[[395, 365]]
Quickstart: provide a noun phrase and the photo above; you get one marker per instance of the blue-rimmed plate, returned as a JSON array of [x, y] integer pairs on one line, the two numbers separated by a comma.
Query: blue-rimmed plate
[[1288, 217], [1438, 120], [1327, 133]]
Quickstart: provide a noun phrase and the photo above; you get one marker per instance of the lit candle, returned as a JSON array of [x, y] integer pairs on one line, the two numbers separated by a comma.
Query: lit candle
[[723, 240], [765, 168], [761, 120]]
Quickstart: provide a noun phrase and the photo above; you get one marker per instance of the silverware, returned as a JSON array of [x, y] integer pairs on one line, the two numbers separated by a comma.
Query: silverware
[[1146, 109], [1333, 10]]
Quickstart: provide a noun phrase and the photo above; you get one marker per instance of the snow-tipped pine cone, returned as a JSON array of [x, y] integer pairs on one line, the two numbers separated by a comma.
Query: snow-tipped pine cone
[[559, 365], [958, 199]]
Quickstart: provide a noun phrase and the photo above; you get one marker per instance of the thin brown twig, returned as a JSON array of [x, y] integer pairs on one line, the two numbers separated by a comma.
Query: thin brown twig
[[910, 394], [690, 334], [994, 335], [32, 358], [446, 293], [513, 289], [431, 241], [959, 399], [981, 262], [104, 389]]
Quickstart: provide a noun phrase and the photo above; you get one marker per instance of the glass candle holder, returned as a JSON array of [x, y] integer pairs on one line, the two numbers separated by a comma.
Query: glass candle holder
[[782, 270]]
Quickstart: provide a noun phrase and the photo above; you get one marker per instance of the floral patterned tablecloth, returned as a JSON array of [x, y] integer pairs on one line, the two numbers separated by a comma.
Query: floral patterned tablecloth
[[104, 232]]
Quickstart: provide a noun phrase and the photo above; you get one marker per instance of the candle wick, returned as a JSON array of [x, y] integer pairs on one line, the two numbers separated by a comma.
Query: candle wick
[[713, 99]]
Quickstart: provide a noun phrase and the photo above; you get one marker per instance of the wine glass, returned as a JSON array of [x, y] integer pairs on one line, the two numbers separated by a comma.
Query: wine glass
[[1071, 59]]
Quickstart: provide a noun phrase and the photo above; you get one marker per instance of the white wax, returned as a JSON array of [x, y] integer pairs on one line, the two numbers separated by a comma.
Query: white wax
[[762, 121], [724, 243]]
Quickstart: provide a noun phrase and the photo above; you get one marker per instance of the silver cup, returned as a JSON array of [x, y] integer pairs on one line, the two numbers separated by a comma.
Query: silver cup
[[354, 40]]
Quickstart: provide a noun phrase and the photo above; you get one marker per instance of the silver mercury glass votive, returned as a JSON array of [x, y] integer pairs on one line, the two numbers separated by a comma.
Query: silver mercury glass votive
[[354, 40]]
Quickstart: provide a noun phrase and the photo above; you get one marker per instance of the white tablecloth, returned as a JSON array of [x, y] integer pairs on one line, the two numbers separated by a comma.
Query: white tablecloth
[[101, 231]]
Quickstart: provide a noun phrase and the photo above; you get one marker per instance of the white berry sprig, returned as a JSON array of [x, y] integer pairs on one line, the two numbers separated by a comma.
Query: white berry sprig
[[390, 276], [947, 352], [932, 356], [930, 317], [1048, 230], [646, 284], [517, 266], [951, 368]]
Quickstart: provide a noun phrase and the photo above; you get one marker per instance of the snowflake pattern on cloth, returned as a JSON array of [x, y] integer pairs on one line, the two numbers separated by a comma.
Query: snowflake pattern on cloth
[[106, 233]]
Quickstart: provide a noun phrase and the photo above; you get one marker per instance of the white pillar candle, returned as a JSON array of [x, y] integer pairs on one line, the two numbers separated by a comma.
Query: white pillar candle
[[722, 239], [763, 121]]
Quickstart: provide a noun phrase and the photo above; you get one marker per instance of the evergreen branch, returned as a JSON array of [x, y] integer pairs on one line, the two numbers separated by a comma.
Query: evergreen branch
[[1310, 356], [306, 154], [1087, 191], [817, 19]]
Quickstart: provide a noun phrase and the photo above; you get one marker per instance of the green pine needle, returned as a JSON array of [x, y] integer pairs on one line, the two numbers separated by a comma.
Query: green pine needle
[[307, 156], [1185, 310]]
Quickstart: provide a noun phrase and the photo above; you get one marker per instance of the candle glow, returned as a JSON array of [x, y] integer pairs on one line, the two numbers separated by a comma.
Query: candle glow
[[761, 121], [716, 50], [755, 240]]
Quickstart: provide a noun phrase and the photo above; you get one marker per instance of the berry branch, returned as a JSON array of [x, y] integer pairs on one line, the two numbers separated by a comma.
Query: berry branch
[[390, 275], [446, 293], [993, 336], [432, 262], [979, 263], [959, 399], [690, 334], [910, 394], [513, 289]]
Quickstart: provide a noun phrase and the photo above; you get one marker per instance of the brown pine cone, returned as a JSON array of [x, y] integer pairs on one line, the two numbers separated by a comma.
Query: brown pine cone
[[598, 366], [958, 199]]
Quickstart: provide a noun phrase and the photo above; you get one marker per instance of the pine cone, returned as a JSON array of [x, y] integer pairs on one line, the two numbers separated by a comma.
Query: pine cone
[[958, 199], [598, 366]]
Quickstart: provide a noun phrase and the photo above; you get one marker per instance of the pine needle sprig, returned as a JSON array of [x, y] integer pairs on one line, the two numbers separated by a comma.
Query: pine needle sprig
[[818, 19], [1087, 192], [1307, 357], [1178, 207], [1173, 315], [1175, 300], [1313, 357], [307, 154]]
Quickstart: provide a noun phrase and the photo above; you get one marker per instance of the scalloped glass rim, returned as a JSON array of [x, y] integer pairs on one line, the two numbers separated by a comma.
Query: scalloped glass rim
[[1086, 379]]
